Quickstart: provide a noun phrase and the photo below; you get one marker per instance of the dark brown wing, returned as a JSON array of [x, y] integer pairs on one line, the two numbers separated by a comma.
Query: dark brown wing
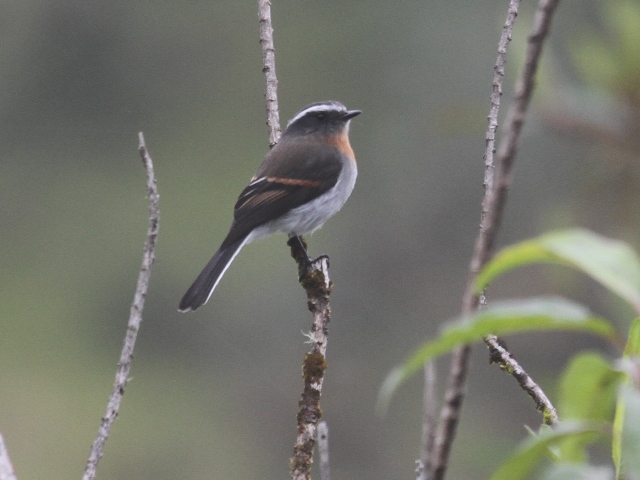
[[293, 180]]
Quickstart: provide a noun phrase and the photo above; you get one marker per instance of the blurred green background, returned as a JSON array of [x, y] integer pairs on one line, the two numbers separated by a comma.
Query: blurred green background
[[213, 394]]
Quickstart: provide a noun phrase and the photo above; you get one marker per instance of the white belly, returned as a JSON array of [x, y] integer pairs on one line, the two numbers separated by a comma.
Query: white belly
[[312, 215]]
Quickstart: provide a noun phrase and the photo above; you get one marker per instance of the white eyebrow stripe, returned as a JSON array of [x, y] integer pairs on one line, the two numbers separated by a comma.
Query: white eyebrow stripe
[[325, 107]]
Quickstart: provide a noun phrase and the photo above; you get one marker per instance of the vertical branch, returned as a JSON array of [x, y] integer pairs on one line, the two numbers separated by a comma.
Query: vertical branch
[[135, 319], [6, 468], [522, 97], [423, 465], [492, 210], [454, 395], [269, 70], [506, 157], [323, 450], [314, 278]]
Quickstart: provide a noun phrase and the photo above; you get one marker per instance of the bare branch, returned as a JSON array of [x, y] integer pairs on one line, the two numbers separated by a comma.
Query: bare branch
[[518, 108], [506, 157], [423, 465], [135, 319], [269, 69], [492, 210], [454, 395], [488, 227], [6, 469], [323, 450], [499, 354], [314, 278]]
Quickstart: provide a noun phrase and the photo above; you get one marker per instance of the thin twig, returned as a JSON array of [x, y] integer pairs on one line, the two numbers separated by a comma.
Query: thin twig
[[6, 469], [323, 450], [492, 209], [506, 157], [454, 395], [423, 465], [314, 278], [522, 96], [269, 69], [500, 354], [135, 319]]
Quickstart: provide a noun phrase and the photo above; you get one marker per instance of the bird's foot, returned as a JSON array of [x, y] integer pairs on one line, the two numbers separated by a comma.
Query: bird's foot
[[317, 259], [305, 262]]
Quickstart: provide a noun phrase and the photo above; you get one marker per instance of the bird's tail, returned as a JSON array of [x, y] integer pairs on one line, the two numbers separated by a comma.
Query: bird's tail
[[202, 288]]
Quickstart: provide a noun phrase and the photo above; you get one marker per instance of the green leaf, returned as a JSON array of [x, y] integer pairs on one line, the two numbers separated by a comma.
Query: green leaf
[[512, 257], [618, 428], [504, 317], [533, 450], [626, 434], [632, 349], [587, 392], [612, 263], [626, 424], [572, 471], [588, 388]]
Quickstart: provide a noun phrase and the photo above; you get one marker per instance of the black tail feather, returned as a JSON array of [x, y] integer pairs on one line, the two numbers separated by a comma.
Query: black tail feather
[[201, 289]]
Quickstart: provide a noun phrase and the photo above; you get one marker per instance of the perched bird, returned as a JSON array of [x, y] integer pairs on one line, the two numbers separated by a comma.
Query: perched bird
[[302, 182]]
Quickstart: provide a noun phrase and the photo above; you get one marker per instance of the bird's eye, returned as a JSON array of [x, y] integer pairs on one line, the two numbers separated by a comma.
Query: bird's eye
[[320, 116]]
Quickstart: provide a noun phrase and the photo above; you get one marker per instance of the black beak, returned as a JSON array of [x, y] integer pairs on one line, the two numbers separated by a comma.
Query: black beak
[[350, 114]]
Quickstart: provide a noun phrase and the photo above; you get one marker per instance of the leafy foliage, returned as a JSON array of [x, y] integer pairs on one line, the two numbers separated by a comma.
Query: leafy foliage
[[500, 318], [535, 449], [587, 392], [596, 395], [612, 263]]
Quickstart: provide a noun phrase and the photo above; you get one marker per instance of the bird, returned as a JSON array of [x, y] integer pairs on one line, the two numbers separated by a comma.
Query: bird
[[302, 181]]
